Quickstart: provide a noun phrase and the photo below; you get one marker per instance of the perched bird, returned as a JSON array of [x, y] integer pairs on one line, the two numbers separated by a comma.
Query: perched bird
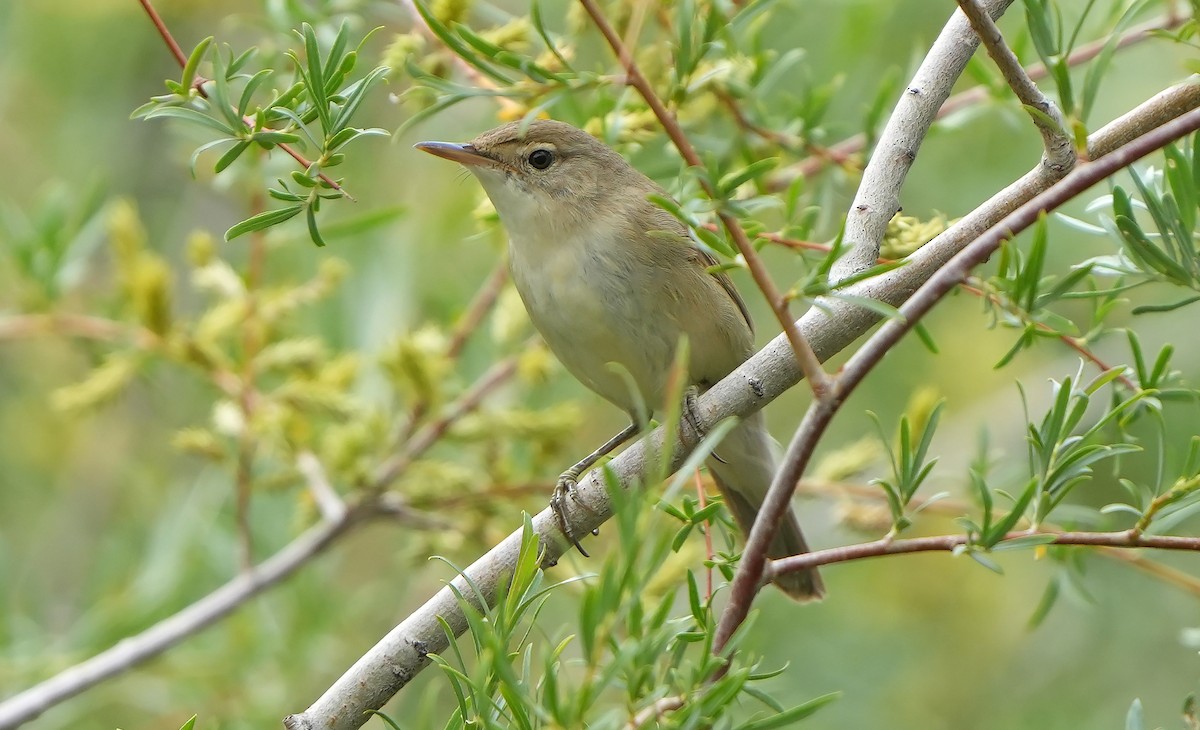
[[609, 277]]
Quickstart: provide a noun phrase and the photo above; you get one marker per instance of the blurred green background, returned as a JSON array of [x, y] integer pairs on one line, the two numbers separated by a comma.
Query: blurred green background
[[104, 529]]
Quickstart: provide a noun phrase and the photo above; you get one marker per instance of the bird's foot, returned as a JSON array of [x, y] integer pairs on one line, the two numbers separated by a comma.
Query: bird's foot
[[691, 414], [564, 489]]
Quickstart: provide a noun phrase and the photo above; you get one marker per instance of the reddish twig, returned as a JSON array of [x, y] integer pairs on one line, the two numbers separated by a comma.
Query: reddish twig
[[1123, 539], [177, 52]]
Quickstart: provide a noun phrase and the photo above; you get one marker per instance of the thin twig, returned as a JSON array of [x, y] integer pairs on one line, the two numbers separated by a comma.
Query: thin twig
[[1075, 343], [952, 508], [329, 503], [1046, 116], [817, 378], [1123, 539], [851, 146], [654, 711], [134, 650], [88, 327]]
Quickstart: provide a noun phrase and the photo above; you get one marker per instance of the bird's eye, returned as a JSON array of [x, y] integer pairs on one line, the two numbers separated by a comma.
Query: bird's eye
[[541, 159]]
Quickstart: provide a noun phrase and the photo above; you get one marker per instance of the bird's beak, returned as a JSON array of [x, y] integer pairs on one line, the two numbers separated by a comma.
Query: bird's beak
[[463, 154]]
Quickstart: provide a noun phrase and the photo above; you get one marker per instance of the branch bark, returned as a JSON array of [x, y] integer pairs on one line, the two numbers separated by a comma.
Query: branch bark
[[947, 543], [878, 196]]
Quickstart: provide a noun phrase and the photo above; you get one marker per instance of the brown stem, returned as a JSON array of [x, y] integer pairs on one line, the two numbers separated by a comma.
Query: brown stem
[[177, 52], [945, 543]]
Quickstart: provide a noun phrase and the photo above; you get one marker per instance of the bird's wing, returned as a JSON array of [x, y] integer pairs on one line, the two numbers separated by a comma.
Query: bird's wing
[[726, 284], [667, 222]]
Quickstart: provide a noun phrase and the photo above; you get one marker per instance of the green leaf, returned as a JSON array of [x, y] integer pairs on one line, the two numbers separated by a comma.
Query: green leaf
[[316, 76], [734, 180], [355, 98], [1133, 718], [1008, 521], [1047, 601], [194, 116], [795, 714], [269, 138], [313, 232], [262, 221], [252, 85], [230, 155], [193, 62]]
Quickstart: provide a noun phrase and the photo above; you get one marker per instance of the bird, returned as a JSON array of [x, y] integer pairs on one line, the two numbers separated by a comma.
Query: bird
[[609, 277]]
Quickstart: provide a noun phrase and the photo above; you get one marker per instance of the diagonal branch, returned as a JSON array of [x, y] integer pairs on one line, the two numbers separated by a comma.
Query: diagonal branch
[[133, 650], [878, 196]]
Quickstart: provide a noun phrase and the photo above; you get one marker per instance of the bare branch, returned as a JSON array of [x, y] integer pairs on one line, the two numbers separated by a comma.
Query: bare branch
[[134, 650], [329, 503], [944, 543], [1047, 117], [878, 196]]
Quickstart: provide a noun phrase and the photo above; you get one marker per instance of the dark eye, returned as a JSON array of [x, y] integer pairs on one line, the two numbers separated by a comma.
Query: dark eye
[[541, 159]]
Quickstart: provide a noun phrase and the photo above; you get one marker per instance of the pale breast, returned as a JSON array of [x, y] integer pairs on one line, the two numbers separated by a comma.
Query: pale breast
[[603, 309]]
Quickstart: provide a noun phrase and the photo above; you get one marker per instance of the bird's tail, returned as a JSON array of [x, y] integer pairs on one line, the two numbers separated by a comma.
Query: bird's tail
[[743, 472]]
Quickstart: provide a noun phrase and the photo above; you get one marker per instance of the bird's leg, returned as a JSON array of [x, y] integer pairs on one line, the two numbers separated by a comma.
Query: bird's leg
[[570, 478], [691, 414]]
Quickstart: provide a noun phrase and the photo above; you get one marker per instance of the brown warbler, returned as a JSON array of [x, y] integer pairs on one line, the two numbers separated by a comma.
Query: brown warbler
[[609, 277]]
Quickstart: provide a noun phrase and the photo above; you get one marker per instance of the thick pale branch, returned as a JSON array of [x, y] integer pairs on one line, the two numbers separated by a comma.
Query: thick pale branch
[[878, 196]]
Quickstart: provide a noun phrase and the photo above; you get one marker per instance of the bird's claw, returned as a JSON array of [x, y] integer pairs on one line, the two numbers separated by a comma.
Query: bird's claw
[[564, 489], [691, 414]]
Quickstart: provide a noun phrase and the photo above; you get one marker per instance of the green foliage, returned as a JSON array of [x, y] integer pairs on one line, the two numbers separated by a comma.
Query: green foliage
[[312, 112], [631, 647], [246, 359]]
